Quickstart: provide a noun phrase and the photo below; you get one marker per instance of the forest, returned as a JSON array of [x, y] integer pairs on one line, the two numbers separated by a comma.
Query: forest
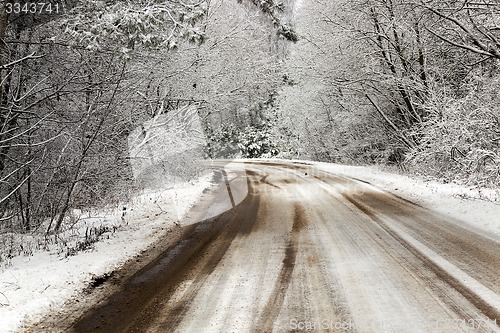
[[413, 85]]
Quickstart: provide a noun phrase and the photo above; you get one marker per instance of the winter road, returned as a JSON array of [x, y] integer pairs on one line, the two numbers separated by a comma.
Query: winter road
[[305, 250]]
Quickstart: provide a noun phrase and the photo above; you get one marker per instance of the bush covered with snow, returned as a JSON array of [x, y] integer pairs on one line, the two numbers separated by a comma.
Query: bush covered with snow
[[460, 138], [228, 141]]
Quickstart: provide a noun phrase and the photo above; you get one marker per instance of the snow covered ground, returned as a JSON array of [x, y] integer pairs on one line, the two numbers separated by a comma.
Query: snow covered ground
[[477, 207], [34, 284]]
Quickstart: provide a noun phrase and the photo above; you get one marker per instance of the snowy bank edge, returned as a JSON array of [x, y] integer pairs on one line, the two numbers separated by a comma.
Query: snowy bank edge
[[34, 286]]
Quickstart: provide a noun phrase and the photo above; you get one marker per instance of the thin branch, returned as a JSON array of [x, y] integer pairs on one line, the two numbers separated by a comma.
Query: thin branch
[[28, 57], [18, 185], [462, 46], [34, 126], [390, 123], [34, 144], [4, 304], [483, 49]]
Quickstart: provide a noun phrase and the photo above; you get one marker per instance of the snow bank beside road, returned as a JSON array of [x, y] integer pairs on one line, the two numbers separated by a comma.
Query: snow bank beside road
[[480, 208], [35, 285]]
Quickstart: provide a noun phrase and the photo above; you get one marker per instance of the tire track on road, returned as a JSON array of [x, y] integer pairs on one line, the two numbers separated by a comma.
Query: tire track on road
[[271, 310], [193, 257], [478, 298], [290, 252]]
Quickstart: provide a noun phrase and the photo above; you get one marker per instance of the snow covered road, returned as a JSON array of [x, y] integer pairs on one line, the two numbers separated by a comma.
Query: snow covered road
[[308, 250]]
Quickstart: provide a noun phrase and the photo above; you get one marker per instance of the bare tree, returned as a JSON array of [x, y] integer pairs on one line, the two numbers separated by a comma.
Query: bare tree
[[470, 25]]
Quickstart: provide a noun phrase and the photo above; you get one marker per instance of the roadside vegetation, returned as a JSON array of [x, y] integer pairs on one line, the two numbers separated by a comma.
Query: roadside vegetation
[[414, 84], [411, 84], [80, 81]]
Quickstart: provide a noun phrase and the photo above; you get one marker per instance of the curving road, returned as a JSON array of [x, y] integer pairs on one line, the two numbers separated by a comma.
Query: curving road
[[306, 250]]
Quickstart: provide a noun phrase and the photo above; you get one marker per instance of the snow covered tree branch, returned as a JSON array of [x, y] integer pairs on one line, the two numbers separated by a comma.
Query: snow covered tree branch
[[472, 26], [275, 10], [126, 26]]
